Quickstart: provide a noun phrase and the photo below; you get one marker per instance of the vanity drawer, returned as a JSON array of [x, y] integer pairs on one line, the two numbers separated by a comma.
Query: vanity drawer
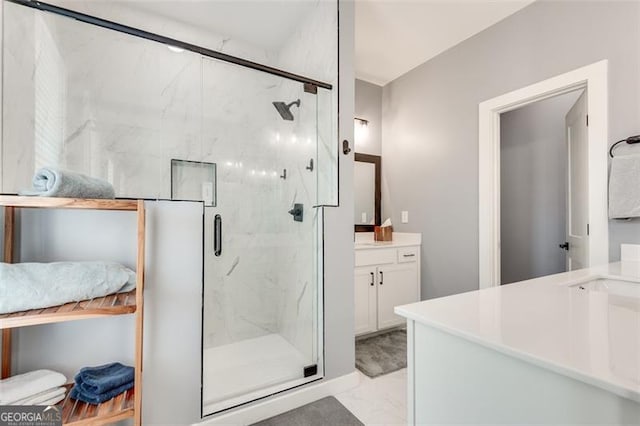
[[407, 254], [375, 257]]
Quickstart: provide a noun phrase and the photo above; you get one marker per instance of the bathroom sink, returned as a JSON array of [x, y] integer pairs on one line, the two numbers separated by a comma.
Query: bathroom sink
[[611, 286]]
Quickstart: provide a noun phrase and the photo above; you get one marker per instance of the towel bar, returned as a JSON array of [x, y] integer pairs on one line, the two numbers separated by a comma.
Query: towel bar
[[630, 140]]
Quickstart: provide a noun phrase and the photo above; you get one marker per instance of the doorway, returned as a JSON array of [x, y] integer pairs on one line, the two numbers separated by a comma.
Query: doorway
[[536, 192], [595, 248]]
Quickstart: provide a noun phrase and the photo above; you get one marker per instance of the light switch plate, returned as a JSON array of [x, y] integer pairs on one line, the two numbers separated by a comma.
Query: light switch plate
[[405, 216], [364, 217]]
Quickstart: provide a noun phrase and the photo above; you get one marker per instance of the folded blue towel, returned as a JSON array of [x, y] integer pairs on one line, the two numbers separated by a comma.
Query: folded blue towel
[[104, 378], [52, 182], [79, 394]]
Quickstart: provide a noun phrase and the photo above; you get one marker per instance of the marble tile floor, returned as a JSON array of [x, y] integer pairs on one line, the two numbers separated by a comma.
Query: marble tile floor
[[378, 401]]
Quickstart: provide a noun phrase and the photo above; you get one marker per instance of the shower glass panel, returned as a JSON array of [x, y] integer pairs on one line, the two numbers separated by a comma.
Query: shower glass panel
[[327, 148], [261, 292], [95, 101], [165, 124]]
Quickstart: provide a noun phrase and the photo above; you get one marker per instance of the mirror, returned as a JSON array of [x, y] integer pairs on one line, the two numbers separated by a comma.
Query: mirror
[[367, 193]]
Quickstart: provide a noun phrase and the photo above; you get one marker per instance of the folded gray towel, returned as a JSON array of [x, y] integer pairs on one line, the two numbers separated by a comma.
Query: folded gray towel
[[624, 187], [52, 182], [25, 286]]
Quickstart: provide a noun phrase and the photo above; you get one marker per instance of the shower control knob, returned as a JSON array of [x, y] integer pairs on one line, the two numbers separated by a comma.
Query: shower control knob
[[297, 212]]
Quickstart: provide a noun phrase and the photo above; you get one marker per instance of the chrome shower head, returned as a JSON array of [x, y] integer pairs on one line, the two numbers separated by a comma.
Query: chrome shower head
[[285, 109]]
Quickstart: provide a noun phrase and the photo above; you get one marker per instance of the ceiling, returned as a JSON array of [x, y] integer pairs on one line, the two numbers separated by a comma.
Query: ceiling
[[394, 36]]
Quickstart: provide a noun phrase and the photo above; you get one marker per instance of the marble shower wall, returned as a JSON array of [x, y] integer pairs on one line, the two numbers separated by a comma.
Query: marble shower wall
[[121, 108]]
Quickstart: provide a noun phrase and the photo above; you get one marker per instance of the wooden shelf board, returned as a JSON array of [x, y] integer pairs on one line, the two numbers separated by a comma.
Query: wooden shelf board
[[67, 203], [78, 413], [113, 304]]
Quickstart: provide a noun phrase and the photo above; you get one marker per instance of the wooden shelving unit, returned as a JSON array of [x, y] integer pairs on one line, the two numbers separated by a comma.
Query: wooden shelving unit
[[128, 404], [78, 413], [113, 304]]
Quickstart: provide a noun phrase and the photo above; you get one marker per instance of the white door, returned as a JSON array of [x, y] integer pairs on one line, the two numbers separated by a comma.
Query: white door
[[365, 300], [577, 236], [397, 285]]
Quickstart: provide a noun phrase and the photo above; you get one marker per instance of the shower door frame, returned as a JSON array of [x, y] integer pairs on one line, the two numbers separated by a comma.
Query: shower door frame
[[292, 384]]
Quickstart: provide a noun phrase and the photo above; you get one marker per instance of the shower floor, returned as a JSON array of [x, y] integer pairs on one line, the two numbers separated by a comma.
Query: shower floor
[[240, 372]]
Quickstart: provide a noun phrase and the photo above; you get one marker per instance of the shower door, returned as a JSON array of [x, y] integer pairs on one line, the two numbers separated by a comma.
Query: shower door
[[260, 320]]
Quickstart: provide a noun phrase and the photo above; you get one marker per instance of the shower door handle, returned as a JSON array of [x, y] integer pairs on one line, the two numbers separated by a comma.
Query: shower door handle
[[217, 235]]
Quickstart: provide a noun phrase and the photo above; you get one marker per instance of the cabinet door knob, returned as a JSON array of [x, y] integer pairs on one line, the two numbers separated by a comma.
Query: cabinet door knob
[[381, 278], [372, 279]]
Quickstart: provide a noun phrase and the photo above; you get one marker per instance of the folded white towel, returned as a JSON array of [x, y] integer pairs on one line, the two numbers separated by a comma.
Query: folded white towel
[[29, 384], [52, 401], [41, 397], [624, 187]]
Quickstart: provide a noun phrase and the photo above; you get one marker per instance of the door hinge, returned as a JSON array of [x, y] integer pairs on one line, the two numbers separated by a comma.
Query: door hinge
[[587, 120], [310, 370], [587, 229], [310, 88]]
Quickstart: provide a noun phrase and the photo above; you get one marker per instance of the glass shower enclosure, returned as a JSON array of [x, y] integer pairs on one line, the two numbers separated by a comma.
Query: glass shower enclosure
[[162, 122]]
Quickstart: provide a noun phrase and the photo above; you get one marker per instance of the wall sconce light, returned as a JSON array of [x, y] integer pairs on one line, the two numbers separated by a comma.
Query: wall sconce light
[[361, 129]]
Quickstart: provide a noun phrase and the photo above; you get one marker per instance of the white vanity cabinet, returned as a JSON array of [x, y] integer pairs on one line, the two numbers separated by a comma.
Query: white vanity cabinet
[[386, 275]]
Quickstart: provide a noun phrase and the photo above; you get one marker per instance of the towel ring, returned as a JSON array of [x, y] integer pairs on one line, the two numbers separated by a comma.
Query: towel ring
[[630, 140]]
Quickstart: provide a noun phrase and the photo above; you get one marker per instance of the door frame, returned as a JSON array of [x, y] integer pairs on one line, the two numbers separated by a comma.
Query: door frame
[[593, 78]]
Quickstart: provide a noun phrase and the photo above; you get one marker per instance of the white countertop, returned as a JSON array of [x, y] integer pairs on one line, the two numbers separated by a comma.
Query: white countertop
[[589, 336], [364, 240]]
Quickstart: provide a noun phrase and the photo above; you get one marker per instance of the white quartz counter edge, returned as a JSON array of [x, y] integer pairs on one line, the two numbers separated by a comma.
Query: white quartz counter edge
[[373, 246], [413, 312], [364, 241]]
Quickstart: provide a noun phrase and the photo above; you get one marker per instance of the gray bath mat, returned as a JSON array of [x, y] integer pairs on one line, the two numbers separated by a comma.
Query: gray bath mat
[[326, 411], [382, 354]]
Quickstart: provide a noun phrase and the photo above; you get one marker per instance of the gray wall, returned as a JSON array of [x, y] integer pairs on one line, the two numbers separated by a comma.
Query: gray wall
[[430, 121], [369, 106], [338, 231], [533, 174]]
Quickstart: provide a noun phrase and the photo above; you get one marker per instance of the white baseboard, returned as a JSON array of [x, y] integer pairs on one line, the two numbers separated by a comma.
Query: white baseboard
[[279, 404]]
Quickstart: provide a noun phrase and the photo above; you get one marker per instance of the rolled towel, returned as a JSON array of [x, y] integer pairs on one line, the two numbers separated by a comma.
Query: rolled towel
[[102, 379], [81, 395], [26, 286], [29, 384], [42, 397], [52, 182]]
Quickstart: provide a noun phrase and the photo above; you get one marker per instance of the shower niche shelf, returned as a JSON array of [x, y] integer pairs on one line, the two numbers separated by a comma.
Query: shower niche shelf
[[128, 404]]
